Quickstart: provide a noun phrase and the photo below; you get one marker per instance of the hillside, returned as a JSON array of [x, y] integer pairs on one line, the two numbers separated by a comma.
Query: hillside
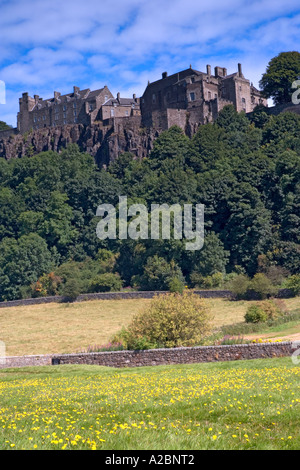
[[245, 170]]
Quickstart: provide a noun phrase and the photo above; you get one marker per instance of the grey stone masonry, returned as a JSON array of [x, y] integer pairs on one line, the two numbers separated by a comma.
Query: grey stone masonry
[[155, 357]]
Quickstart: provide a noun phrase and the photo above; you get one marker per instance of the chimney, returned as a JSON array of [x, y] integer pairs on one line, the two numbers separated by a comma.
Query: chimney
[[36, 98], [134, 96], [56, 95], [164, 74], [208, 70], [240, 70], [118, 97], [224, 72], [76, 90]]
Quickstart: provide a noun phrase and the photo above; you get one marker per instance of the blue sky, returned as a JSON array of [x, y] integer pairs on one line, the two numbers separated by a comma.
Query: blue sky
[[54, 45]]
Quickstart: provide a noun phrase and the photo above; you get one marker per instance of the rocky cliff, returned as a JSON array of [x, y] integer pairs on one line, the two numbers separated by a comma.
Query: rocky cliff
[[103, 142]]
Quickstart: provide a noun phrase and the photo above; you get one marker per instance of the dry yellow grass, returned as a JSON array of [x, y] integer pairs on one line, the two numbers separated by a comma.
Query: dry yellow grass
[[67, 328]]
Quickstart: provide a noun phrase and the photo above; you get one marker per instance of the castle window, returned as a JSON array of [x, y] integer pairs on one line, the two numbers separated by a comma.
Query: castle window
[[91, 107], [112, 112], [192, 96], [35, 119], [126, 112], [65, 121], [44, 118], [75, 119], [65, 107], [65, 115], [153, 98], [56, 117], [74, 105], [243, 100], [75, 112], [209, 95]]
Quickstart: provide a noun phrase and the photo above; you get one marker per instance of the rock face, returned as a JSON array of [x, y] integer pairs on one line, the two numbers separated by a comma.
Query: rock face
[[103, 142]]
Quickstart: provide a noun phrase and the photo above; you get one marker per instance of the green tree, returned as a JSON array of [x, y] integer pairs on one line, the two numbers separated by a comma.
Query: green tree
[[211, 259], [4, 126], [107, 282], [22, 262], [158, 273], [57, 226], [280, 74]]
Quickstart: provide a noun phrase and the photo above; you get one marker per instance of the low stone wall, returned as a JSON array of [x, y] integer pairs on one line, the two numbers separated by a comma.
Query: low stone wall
[[178, 355], [208, 294], [25, 361], [155, 357], [109, 296]]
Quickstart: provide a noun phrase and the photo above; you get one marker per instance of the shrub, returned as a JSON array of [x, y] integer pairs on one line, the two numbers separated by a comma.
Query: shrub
[[171, 320], [176, 285], [158, 273], [262, 286], [107, 282], [255, 314], [207, 282], [240, 286], [270, 308], [48, 284], [71, 290], [293, 283]]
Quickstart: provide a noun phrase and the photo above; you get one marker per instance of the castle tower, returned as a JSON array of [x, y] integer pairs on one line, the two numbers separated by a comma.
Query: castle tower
[[26, 104]]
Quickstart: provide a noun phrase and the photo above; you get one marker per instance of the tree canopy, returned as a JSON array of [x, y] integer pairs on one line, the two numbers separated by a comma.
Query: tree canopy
[[280, 74], [244, 169]]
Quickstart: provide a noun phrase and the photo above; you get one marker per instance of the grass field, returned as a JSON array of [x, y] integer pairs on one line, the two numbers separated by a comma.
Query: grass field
[[68, 328], [250, 404]]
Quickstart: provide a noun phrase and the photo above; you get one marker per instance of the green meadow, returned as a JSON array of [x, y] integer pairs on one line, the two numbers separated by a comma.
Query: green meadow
[[250, 404]]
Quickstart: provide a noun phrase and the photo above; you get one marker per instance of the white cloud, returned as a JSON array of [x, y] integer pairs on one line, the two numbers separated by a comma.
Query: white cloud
[[53, 45]]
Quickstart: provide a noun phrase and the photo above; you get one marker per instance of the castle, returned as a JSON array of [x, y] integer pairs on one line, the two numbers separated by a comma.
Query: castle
[[82, 106], [188, 99]]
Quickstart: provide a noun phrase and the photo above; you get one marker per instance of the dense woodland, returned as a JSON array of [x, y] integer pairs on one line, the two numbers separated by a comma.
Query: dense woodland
[[245, 170]]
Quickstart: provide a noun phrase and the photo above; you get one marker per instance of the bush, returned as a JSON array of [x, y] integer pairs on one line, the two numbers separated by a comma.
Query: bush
[[270, 308], [172, 320], [262, 286], [293, 283], [158, 273], [107, 282], [176, 285], [46, 285], [71, 290], [255, 314], [240, 286], [207, 282]]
